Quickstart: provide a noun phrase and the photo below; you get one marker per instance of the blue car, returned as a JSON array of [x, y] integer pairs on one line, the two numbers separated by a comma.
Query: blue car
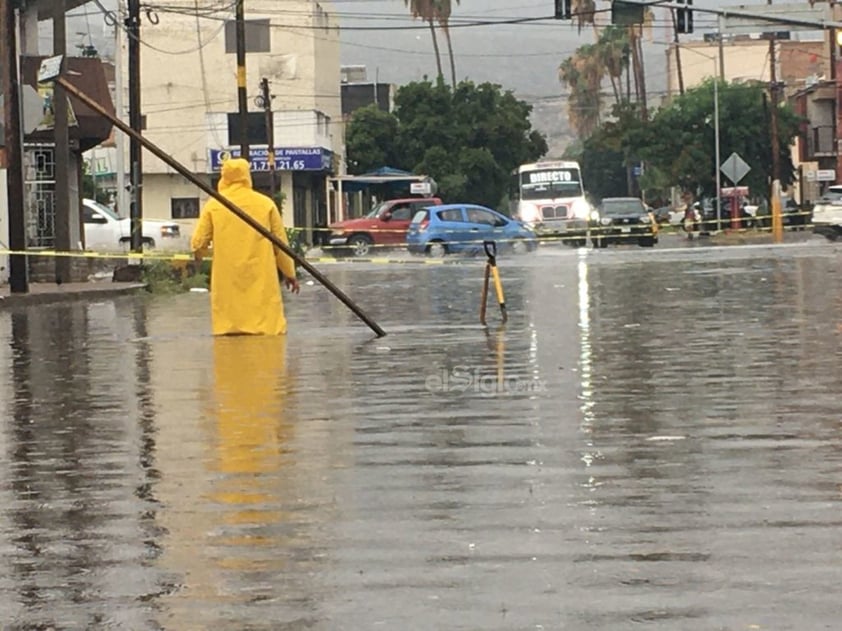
[[461, 228]]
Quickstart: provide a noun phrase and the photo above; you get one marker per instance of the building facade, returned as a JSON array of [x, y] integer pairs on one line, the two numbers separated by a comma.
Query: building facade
[[190, 107], [745, 59]]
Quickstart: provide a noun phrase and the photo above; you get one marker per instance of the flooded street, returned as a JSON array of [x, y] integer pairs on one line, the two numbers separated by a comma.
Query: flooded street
[[653, 440]]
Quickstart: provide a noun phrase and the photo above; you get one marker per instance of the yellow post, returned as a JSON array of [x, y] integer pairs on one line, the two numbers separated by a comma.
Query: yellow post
[[484, 294], [777, 219], [491, 266]]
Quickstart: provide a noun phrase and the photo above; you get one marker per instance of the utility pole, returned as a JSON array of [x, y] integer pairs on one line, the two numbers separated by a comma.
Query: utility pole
[[775, 202], [18, 273], [61, 154], [721, 48], [241, 80], [677, 49], [136, 123], [265, 101], [120, 139]]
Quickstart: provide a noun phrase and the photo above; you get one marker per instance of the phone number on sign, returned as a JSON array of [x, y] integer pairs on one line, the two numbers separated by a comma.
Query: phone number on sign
[[280, 165]]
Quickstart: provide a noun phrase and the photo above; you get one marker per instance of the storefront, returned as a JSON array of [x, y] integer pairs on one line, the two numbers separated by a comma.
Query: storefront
[[300, 176]]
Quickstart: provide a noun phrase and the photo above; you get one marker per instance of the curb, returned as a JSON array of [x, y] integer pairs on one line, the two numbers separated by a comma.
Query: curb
[[48, 296]]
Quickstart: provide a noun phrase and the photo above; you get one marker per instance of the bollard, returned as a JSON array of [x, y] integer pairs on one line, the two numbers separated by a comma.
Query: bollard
[[491, 270]]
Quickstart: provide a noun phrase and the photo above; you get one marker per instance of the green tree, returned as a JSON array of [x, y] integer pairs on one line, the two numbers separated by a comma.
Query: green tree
[[468, 139], [677, 145], [372, 134], [682, 142]]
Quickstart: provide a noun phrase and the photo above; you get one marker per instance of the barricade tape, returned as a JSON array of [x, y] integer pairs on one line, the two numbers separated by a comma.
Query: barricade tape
[[402, 247], [89, 254]]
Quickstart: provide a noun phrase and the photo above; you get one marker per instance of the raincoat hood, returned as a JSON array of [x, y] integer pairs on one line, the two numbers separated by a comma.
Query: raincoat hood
[[235, 171]]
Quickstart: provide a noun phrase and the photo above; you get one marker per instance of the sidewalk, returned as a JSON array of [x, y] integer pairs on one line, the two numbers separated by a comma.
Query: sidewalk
[[43, 293]]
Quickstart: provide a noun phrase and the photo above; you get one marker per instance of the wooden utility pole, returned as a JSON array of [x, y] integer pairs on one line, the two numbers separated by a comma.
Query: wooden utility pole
[[265, 100], [775, 202], [136, 123], [18, 272], [61, 154], [677, 49], [242, 97]]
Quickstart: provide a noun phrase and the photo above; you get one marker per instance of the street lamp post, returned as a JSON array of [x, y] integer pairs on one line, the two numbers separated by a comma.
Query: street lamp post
[[716, 150], [716, 135]]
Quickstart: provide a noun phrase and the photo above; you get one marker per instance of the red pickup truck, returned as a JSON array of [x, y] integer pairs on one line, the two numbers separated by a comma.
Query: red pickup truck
[[384, 227]]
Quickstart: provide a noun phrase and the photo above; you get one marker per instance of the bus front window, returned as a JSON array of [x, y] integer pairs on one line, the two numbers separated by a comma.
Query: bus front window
[[550, 190]]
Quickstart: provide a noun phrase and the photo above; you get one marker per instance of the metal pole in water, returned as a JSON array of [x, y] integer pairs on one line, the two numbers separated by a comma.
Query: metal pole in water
[[162, 155]]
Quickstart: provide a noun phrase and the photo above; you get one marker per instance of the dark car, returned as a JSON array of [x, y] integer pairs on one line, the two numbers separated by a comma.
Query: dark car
[[623, 220]]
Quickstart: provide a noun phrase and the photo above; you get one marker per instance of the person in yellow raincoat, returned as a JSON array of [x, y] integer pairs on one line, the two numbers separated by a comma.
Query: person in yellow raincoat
[[245, 290]]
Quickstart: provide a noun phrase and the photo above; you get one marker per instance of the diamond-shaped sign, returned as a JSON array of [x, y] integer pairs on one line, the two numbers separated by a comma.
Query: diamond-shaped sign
[[735, 168]]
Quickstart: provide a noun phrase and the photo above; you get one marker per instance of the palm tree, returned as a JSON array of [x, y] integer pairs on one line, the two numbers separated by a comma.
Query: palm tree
[[583, 12], [583, 73], [612, 45], [443, 10], [426, 10]]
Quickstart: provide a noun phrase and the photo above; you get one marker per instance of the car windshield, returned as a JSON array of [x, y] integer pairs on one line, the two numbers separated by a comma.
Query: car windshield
[[420, 216], [376, 210], [105, 210], [833, 194], [622, 207]]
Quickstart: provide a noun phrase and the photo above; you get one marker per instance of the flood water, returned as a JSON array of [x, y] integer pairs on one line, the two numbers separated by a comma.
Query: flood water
[[653, 440]]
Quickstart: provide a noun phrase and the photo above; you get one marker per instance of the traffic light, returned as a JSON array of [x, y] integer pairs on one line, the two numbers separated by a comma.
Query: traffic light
[[563, 9], [626, 13], [684, 18]]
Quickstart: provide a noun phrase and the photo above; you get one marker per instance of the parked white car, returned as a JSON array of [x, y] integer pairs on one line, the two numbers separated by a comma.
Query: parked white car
[[827, 213], [105, 231]]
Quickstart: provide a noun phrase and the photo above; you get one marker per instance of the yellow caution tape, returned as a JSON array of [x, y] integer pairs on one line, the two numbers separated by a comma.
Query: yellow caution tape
[[88, 254]]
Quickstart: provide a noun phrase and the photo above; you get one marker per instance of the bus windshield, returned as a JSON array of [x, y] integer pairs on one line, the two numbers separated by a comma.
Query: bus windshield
[[550, 183]]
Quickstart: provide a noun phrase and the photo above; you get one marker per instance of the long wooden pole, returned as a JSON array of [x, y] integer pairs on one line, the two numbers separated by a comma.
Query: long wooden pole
[[162, 155]]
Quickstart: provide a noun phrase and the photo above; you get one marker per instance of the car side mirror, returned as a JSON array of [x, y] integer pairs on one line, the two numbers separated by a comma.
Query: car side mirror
[[386, 216]]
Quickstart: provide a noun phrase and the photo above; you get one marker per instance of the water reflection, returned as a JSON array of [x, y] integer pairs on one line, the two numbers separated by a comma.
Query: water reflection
[[685, 425], [69, 523], [251, 442]]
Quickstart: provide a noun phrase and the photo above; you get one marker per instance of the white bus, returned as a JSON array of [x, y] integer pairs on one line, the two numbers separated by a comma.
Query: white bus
[[549, 197]]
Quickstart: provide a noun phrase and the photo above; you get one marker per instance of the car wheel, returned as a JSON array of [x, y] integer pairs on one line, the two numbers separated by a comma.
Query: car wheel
[[519, 246], [436, 249], [360, 245], [646, 242]]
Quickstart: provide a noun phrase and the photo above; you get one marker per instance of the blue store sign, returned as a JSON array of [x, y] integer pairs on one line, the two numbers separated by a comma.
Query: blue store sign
[[286, 158]]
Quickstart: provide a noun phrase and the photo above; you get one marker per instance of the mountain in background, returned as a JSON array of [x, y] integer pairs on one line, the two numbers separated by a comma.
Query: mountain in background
[[394, 48]]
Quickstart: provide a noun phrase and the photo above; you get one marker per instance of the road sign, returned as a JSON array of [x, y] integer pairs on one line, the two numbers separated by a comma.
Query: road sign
[[826, 175], [741, 25], [32, 105], [735, 168]]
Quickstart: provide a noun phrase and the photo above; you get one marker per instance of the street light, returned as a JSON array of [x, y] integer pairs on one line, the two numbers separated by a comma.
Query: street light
[[716, 134]]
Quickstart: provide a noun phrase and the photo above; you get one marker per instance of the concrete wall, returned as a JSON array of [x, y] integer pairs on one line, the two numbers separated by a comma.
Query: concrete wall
[[700, 61], [185, 98]]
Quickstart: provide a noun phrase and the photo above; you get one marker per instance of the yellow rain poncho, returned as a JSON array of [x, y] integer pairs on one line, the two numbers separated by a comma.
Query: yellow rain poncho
[[245, 289]]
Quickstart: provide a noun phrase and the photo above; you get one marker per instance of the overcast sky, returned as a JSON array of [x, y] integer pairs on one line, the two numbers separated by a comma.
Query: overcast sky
[[381, 35]]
